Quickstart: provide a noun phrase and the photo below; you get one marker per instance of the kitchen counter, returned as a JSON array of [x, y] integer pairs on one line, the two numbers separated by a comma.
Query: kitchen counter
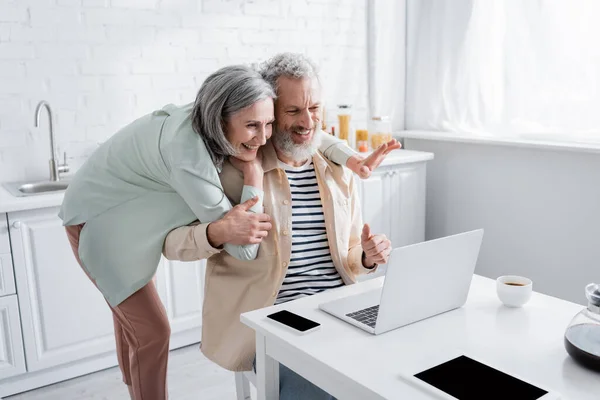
[[404, 157], [10, 203]]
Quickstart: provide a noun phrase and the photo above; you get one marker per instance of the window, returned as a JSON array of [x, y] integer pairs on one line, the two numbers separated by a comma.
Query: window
[[504, 68]]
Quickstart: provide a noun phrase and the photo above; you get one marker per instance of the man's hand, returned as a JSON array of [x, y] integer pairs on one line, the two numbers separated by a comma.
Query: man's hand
[[376, 248], [239, 226], [363, 167]]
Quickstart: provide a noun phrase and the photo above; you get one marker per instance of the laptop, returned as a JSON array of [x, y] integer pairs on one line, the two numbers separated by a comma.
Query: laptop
[[422, 280]]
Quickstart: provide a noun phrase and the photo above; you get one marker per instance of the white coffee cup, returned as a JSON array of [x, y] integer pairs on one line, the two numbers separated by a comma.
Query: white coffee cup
[[513, 290]]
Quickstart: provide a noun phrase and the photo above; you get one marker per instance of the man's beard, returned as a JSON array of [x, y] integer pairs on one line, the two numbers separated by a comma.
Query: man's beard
[[283, 141]]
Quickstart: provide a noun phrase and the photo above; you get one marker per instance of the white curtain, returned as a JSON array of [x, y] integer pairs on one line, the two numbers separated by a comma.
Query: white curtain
[[504, 67], [386, 47]]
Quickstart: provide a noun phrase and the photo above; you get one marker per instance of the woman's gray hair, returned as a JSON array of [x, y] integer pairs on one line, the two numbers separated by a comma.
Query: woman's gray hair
[[222, 94], [291, 65]]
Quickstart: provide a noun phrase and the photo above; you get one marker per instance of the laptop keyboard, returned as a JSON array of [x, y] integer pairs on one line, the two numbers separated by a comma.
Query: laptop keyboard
[[367, 316]]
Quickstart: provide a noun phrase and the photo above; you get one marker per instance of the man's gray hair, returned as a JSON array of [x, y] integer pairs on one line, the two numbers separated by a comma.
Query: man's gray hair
[[291, 65], [224, 93]]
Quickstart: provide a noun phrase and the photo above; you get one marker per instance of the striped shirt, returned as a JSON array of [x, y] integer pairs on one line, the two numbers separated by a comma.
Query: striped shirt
[[311, 268]]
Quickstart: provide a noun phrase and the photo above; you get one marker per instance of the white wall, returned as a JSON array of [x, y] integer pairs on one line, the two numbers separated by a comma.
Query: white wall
[[102, 63], [540, 210]]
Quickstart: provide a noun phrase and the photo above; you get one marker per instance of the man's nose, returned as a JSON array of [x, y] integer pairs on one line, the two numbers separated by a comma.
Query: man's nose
[[305, 120]]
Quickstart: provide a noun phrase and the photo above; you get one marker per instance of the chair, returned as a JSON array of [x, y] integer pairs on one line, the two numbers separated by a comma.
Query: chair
[[242, 384]]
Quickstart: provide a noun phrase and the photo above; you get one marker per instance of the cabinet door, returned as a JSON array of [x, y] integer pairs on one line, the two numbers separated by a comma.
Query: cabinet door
[[7, 282], [406, 193], [181, 287], [375, 202], [12, 360], [64, 316]]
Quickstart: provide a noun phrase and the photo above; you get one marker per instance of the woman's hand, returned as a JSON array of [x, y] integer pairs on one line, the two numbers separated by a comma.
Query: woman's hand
[[252, 170], [364, 166], [239, 226]]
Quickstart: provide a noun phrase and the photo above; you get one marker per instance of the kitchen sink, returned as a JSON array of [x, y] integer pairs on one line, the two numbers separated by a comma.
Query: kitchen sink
[[22, 189]]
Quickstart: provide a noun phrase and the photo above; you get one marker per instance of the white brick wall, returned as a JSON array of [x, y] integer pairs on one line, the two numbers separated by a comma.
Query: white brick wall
[[103, 63]]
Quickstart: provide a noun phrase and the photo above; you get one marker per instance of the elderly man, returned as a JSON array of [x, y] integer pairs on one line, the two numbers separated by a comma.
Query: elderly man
[[317, 242]]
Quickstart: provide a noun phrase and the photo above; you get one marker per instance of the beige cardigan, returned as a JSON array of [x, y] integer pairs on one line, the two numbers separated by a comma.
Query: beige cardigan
[[234, 287]]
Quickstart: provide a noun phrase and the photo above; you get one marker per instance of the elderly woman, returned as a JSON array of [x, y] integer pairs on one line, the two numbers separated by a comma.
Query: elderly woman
[[158, 173]]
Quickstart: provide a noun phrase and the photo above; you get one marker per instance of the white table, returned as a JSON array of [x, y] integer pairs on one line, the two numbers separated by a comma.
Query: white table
[[352, 364]]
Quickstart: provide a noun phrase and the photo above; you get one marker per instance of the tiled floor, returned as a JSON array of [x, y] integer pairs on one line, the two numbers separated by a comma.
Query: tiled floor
[[190, 376]]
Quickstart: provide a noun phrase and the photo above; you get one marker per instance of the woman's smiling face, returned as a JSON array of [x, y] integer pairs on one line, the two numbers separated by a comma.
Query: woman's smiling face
[[250, 128]]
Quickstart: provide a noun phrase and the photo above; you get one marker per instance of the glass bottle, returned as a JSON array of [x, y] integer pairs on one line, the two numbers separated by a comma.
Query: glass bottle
[[344, 122], [582, 337], [362, 140], [381, 131]]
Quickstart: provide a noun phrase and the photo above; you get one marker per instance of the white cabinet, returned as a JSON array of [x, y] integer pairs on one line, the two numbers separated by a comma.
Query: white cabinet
[[373, 198], [181, 288], [393, 202], [64, 317], [65, 323], [12, 361]]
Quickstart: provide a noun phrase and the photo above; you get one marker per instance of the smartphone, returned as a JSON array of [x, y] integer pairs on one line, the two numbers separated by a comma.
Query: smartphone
[[463, 377], [295, 322]]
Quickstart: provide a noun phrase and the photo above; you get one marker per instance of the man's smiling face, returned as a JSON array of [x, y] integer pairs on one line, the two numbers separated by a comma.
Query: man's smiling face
[[297, 116]]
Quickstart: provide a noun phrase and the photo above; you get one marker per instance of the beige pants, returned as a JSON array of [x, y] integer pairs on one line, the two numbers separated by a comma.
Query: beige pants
[[142, 334]]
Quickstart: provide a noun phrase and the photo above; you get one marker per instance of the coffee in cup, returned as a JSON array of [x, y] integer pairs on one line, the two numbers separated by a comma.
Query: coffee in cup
[[513, 290]]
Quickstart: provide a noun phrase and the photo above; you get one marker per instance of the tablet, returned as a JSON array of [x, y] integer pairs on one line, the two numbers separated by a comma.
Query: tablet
[[463, 377]]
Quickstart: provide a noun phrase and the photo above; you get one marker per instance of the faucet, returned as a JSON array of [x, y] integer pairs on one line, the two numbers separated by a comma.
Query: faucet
[[55, 167]]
